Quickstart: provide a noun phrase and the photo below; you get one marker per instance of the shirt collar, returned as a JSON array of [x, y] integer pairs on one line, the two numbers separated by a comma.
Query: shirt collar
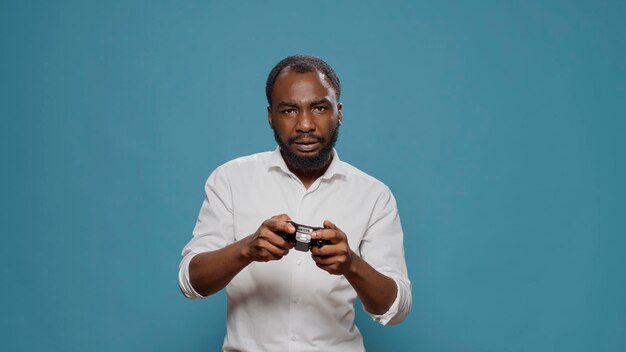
[[336, 167]]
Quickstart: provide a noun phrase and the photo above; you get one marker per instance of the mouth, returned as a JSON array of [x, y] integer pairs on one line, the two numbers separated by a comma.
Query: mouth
[[307, 144]]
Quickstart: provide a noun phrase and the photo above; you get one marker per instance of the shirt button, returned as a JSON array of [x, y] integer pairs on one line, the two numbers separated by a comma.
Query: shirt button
[[295, 300], [293, 338], [299, 262]]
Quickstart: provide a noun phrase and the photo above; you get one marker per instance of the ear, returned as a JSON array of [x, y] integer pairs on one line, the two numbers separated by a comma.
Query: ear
[[339, 113], [269, 116]]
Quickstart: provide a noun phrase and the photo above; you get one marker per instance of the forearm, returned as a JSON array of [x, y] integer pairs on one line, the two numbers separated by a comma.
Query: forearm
[[210, 272], [376, 291]]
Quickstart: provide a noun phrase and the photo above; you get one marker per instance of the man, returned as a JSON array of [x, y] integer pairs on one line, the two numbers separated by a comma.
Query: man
[[280, 299]]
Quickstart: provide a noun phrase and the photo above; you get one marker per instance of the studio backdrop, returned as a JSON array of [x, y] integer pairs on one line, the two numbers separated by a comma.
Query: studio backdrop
[[498, 125]]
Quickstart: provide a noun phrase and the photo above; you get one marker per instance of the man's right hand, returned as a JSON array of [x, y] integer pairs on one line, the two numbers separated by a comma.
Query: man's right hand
[[211, 271], [266, 244]]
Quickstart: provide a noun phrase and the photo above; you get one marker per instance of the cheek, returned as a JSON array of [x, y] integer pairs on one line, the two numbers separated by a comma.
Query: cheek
[[284, 126], [330, 126], [281, 130]]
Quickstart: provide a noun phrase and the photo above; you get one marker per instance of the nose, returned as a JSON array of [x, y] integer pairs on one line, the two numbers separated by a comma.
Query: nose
[[305, 122]]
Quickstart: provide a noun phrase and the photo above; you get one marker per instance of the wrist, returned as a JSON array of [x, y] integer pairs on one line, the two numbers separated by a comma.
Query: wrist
[[353, 268], [244, 253]]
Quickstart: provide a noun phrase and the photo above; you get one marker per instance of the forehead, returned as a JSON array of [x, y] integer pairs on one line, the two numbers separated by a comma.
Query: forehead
[[300, 87]]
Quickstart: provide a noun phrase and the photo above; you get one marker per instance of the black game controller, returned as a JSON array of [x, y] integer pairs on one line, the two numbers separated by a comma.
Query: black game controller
[[302, 237]]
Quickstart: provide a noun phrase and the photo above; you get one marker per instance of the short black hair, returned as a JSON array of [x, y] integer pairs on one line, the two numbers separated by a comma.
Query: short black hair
[[302, 64]]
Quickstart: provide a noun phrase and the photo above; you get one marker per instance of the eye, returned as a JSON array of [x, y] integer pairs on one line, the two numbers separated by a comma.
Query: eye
[[319, 108], [288, 111]]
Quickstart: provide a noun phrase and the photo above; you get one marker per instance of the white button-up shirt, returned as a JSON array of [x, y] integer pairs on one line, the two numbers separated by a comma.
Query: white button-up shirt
[[291, 304]]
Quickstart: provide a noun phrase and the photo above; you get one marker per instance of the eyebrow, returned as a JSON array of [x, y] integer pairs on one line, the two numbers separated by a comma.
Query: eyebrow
[[321, 101], [295, 105], [288, 104]]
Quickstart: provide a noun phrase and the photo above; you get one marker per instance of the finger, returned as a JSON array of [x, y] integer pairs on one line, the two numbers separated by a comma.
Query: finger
[[323, 260], [276, 240], [264, 251], [323, 234], [328, 250], [280, 224], [333, 235], [321, 252], [275, 250], [329, 225], [279, 242], [328, 266], [283, 217], [266, 256]]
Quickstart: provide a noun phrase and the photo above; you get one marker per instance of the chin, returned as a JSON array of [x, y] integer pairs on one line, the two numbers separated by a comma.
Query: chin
[[301, 154], [307, 161]]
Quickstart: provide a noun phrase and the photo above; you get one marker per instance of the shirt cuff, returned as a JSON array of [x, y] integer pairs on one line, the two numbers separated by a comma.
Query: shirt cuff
[[183, 279], [384, 318]]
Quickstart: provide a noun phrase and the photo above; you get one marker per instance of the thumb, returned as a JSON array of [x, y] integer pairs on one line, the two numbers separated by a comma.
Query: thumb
[[330, 225], [283, 217]]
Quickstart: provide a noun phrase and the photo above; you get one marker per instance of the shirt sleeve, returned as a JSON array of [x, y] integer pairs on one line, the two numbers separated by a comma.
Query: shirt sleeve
[[213, 230], [382, 247]]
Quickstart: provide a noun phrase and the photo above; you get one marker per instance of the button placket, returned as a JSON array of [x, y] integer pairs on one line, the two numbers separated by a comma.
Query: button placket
[[295, 295]]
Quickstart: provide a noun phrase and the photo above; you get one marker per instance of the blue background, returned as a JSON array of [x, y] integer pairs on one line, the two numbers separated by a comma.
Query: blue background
[[498, 125]]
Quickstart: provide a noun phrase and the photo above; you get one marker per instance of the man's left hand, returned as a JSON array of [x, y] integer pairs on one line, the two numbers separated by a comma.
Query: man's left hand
[[335, 257]]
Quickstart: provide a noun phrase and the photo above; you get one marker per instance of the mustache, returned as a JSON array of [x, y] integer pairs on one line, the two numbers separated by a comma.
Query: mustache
[[308, 136]]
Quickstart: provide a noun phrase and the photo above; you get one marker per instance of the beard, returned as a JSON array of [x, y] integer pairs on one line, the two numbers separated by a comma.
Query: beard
[[307, 163]]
